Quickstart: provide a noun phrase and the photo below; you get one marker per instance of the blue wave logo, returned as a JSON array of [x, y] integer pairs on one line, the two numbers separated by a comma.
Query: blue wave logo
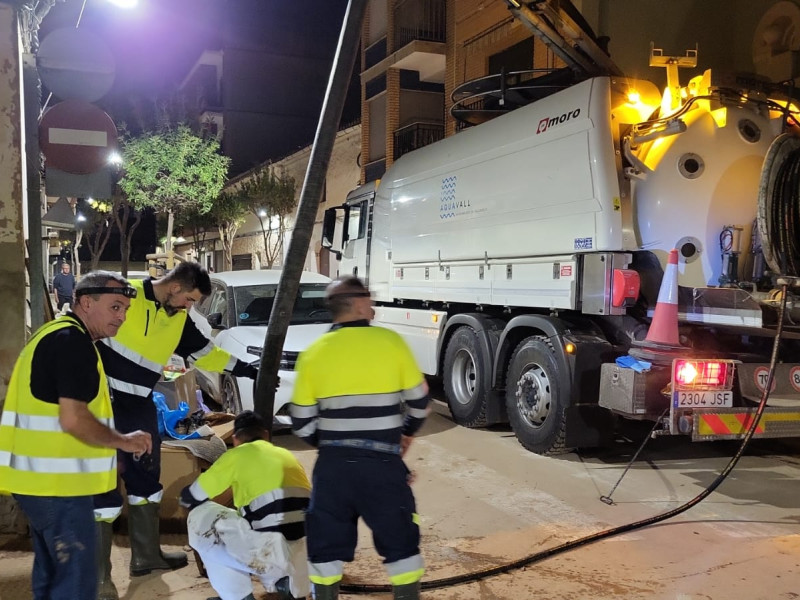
[[448, 198]]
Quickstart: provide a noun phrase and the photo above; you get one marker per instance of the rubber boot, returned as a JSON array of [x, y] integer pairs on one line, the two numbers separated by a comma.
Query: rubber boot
[[325, 592], [283, 589], [106, 590], [146, 553], [409, 591]]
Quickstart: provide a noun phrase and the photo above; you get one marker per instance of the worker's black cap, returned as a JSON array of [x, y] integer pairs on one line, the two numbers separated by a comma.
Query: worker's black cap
[[247, 419]]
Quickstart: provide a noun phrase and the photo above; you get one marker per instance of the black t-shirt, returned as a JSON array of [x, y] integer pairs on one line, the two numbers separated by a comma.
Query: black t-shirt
[[64, 365]]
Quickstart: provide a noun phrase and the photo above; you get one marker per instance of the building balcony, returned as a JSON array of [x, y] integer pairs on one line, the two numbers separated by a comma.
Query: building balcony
[[416, 136], [419, 42], [419, 20]]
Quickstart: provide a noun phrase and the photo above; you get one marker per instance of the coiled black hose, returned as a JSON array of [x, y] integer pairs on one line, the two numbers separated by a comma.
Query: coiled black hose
[[784, 215], [779, 206]]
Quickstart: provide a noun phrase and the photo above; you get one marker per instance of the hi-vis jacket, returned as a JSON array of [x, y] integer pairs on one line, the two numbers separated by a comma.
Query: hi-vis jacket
[[135, 357], [270, 487], [37, 457], [371, 391]]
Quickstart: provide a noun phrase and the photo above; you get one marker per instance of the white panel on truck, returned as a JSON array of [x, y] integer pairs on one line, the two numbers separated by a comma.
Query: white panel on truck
[[419, 328]]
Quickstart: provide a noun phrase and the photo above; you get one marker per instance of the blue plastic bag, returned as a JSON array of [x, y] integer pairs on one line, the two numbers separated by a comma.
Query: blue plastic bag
[[168, 418], [629, 362]]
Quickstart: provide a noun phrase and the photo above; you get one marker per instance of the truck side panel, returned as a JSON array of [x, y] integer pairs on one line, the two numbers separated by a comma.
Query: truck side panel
[[475, 194]]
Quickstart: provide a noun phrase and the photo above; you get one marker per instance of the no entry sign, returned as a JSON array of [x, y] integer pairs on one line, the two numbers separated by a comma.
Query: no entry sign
[[77, 137]]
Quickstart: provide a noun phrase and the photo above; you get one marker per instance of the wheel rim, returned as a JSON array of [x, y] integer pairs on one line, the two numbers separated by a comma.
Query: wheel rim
[[229, 400], [463, 376], [534, 395]]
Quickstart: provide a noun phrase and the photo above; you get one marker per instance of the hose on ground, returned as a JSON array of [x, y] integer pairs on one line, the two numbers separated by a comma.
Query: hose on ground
[[359, 588]]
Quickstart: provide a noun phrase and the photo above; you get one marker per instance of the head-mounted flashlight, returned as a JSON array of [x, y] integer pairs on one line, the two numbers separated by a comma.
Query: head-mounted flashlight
[[128, 292]]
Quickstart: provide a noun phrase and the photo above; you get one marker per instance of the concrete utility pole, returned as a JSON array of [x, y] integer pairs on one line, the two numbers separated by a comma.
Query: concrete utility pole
[[335, 95]]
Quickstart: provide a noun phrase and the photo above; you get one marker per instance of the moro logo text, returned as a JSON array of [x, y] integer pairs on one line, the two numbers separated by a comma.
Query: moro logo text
[[549, 122]]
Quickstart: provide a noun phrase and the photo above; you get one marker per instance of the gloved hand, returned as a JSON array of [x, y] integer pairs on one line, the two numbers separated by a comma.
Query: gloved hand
[[242, 369]]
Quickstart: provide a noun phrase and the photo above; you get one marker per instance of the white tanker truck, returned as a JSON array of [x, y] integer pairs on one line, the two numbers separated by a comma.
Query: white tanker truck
[[521, 257]]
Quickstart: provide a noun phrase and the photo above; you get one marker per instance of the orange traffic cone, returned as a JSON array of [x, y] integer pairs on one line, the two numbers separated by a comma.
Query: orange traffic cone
[[664, 327]]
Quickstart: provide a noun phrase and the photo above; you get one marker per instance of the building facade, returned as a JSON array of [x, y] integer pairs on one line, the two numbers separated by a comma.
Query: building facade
[[248, 251], [420, 57]]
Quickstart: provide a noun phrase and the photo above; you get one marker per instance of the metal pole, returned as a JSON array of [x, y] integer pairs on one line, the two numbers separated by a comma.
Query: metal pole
[[307, 210]]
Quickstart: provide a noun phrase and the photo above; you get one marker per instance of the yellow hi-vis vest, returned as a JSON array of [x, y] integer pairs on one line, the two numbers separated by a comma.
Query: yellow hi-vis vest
[[148, 337], [37, 457]]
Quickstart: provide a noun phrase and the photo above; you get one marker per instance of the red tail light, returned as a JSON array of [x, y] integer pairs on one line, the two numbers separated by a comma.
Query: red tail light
[[705, 374]]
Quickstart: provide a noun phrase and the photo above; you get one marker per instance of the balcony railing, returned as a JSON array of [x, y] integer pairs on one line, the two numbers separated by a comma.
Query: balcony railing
[[418, 20], [416, 136]]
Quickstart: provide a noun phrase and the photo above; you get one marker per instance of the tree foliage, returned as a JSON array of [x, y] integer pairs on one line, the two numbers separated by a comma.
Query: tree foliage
[[197, 225], [271, 197], [172, 170], [229, 212]]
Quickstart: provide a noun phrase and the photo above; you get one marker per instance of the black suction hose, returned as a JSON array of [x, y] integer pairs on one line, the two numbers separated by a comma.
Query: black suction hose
[[359, 588], [785, 215]]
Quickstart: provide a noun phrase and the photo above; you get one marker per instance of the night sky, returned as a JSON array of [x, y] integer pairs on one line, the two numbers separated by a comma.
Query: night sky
[[154, 44], [157, 43]]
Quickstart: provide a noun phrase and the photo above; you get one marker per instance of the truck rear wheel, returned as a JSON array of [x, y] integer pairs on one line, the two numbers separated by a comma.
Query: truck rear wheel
[[464, 378], [535, 403]]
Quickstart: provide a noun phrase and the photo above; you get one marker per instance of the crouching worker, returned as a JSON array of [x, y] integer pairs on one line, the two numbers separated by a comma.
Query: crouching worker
[[266, 537]]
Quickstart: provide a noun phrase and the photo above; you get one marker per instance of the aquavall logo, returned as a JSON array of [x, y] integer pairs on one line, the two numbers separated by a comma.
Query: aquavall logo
[[549, 122]]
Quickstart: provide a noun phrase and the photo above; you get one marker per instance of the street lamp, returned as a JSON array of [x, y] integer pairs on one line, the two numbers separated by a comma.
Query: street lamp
[[124, 3]]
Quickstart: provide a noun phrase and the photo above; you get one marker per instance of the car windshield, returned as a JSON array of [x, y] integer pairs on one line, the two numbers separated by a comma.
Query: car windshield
[[254, 304]]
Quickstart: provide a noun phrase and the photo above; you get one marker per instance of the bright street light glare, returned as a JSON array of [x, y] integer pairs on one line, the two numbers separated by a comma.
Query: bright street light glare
[[115, 158], [124, 3]]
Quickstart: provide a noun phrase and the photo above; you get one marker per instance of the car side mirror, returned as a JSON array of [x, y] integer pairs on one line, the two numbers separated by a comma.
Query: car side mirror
[[215, 320]]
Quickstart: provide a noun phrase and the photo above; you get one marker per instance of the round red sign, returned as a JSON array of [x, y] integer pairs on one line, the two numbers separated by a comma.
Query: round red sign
[[77, 137]]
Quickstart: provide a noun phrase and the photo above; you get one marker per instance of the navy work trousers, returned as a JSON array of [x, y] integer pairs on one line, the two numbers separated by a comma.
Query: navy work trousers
[[141, 477], [349, 484], [63, 535]]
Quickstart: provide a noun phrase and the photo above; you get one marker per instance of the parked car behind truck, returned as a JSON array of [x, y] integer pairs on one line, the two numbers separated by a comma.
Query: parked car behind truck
[[236, 314]]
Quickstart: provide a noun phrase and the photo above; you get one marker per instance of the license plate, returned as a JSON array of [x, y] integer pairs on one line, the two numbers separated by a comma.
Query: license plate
[[706, 399]]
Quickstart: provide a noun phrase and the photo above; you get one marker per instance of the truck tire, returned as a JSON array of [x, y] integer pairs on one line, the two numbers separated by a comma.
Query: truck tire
[[230, 400], [464, 378], [535, 403]]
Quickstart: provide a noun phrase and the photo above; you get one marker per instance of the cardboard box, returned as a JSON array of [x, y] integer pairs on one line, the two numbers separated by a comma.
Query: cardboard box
[[179, 468]]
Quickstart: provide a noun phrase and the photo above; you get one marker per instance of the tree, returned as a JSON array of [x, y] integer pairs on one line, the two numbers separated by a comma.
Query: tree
[[198, 225], [127, 219], [97, 227], [229, 212], [172, 170], [270, 198]]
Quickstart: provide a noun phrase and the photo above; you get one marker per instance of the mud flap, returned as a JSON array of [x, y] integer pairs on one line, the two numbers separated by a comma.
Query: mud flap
[[589, 426], [496, 407]]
